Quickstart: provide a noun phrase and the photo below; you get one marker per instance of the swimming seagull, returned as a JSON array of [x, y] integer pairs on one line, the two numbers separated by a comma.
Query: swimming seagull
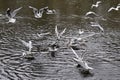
[[48, 11], [96, 5], [10, 15], [37, 12], [113, 8], [27, 44], [59, 35], [79, 61], [97, 25]]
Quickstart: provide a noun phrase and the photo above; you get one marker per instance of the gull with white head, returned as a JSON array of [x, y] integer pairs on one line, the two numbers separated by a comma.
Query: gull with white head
[[37, 12], [10, 15], [96, 5]]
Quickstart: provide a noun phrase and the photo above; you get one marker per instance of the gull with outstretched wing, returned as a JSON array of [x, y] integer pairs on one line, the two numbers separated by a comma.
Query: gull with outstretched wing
[[10, 15], [37, 12]]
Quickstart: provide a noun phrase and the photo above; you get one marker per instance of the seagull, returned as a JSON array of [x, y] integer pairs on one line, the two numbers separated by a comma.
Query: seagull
[[48, 11], [97, 25], [96, 5], [27, 44], [10, 15], [79, 61], [59, 35], [91, 13], [113, 8], [80, 32], [37, 12]]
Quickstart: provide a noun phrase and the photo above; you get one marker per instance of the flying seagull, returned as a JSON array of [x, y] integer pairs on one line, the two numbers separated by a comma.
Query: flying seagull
[[10, 15], [91, 13], [37, 12], [113, 8], [96, 5]]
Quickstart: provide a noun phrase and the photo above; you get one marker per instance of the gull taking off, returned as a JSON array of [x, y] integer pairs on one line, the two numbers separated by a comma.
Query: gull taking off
[[113, 8], [37, 12], [59, 35], [48, 11], [27, 44], [10, 15], [79, 61], [95, 5]]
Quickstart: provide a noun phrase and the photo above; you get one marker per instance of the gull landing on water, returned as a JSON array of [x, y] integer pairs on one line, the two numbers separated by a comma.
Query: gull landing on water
[[27, 44], [79, 61], [96, 5], [37, 12], [113, 8], [59, 35], [10, 15]]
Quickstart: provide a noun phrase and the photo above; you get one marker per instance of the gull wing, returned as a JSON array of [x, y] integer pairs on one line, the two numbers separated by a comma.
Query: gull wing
[[97, 25], [56, 31], [43, 34], [62, 32], [112, 8], [75, 54], [24, 42], [34, 9], [15, 12], [98, 2], [41, 10], [86, 66], [101, 28], [91, 12]]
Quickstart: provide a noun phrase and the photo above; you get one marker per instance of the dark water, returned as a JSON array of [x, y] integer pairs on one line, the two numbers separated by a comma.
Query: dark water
[[102, 50]]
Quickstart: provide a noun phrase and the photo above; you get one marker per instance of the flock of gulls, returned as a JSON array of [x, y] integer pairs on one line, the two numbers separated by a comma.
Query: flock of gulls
[[72, 41], [37, 13]]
